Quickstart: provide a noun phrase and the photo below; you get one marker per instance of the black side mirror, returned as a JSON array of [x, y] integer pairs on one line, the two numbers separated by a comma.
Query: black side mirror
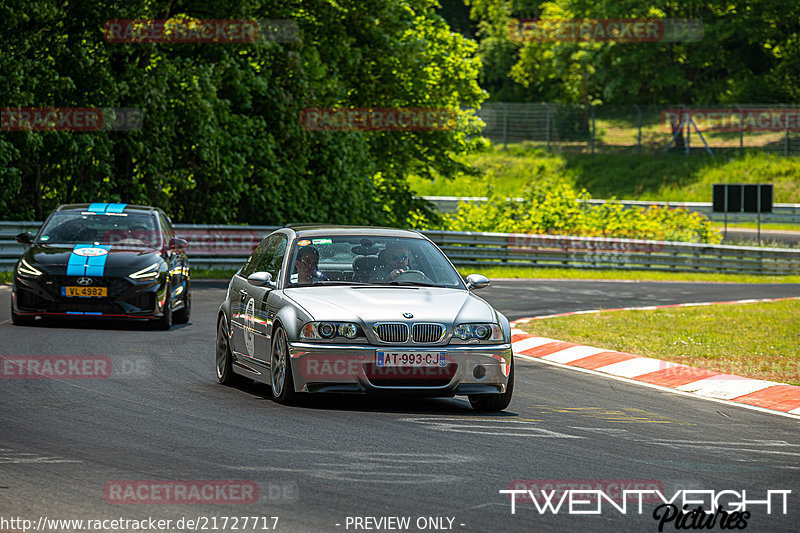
[[176, 243], [25, 238]]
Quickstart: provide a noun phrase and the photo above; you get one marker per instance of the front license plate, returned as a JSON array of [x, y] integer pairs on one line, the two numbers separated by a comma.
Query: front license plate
[[85, 292], [387, 358]]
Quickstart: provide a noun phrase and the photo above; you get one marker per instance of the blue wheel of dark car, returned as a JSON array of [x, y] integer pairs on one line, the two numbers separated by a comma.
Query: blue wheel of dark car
[[281, 369], [224, 364], [494, 402]]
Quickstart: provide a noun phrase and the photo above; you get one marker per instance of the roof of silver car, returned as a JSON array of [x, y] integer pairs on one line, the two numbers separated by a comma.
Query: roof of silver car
[[332, 229]]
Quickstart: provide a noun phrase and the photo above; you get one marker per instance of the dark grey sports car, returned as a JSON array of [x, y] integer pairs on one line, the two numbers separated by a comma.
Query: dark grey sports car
[[103, 261], [362, 310]]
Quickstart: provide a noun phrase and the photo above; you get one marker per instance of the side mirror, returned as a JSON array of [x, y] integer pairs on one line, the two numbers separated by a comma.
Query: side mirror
[[477, 281], [261, 279], [176, 243], [24, 238]]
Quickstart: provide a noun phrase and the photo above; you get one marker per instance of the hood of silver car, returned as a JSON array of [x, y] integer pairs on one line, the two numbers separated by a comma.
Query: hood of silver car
[[381, 304]]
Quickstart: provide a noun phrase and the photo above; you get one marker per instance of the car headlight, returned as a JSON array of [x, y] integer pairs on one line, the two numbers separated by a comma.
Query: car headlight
[[27, 269], [330, 330], [150, 272], [475, 333]]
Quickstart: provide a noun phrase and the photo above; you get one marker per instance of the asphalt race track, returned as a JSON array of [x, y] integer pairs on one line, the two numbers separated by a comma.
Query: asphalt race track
[[349, 463]]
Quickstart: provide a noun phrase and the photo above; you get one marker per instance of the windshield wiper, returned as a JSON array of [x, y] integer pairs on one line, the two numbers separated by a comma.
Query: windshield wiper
[[337, 282], [411, 284]]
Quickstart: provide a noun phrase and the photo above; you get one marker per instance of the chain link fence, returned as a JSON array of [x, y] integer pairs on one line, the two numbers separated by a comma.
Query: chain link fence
[[649, 129]]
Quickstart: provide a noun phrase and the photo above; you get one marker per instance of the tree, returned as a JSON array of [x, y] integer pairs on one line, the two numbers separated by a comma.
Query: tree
[[222, 140]]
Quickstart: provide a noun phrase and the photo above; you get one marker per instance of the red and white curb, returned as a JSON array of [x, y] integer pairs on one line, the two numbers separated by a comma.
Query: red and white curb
[[704, 383]]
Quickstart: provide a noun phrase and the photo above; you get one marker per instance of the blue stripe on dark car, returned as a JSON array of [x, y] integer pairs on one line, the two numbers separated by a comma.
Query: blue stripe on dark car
[[78, 265], [98, 208], [115, 208], [96, 266]]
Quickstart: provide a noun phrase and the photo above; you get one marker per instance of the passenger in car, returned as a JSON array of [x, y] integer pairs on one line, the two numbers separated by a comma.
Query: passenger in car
[[307, 263], [395, 262]]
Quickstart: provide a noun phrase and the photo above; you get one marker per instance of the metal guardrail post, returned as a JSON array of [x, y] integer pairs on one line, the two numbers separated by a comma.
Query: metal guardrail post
[[639, 128], [548, 126]]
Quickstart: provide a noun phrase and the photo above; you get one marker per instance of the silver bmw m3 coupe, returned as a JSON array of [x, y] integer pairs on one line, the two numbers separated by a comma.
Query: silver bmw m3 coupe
[[342, 309]]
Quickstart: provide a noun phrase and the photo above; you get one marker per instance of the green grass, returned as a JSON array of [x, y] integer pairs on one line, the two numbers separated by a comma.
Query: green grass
[[757, 340], [553, 273], [213, 273], [634, 275], [670, 177]]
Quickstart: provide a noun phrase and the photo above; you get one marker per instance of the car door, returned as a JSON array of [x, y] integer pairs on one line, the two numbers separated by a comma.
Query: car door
[[176, 259], [262, 297], [242, 308]]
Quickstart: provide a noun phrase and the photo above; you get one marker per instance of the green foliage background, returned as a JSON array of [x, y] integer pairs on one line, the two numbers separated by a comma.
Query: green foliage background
[[558, 209], [749, 53], [222, 140]]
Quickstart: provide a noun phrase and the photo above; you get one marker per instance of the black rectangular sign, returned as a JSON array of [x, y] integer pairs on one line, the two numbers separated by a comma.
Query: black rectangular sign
[[742, 198]]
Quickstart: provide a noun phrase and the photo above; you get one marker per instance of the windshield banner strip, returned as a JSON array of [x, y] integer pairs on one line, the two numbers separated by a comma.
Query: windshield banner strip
[[115, 208], [103, 208]]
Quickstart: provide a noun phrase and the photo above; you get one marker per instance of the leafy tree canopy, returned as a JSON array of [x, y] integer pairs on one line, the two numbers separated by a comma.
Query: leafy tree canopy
[[222, 140]]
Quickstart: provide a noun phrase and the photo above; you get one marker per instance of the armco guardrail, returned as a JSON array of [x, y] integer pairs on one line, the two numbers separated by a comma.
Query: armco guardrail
[[782, 213], [514, 249], [227, 246]]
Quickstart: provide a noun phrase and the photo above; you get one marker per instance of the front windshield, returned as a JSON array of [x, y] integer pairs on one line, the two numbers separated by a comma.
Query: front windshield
[[120, 229], [357, 259]]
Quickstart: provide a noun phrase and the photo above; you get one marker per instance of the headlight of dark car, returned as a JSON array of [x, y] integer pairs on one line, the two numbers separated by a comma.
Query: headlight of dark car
[[476, 333], [330, 330], [150, 272], [28, 270]]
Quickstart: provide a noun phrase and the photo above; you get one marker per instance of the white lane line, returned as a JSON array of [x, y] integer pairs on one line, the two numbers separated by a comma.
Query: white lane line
[[635, 367], [573, 354], [795, 413], [725, 386]]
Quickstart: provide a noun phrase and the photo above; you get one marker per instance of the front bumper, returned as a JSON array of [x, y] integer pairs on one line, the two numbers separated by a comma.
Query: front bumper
[[469, 369], [126, 299]]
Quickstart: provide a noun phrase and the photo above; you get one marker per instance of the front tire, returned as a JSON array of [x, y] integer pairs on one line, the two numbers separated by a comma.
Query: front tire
[[494, 402], [19, 320], [281, 379], [165, 322], [182, 315], [225, 374]]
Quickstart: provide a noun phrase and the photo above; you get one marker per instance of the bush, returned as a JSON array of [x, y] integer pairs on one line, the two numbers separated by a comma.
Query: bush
[[560, 210]]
